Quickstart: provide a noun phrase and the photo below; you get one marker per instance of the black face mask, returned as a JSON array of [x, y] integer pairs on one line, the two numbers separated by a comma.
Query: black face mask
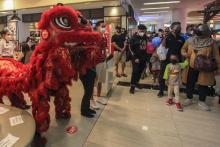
[[118, 31], [173, 61], [178, 31], [199, 33]]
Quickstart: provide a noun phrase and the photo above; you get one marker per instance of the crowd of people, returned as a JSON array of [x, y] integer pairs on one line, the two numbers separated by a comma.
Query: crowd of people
[[191, 59], [173, 59]]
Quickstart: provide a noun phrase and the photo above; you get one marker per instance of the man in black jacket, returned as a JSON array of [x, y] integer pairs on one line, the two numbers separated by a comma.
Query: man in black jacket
[[138, 46], [173, 42]]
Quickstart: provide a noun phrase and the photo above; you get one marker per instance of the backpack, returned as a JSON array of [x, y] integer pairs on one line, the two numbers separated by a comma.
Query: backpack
[[205, 63]]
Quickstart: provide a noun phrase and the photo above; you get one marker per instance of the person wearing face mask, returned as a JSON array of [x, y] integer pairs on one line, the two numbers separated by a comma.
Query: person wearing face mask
[[201, 44], [118, 42], [173, 42], [172, 75], [138, 44], [100, 68], [189, 32]]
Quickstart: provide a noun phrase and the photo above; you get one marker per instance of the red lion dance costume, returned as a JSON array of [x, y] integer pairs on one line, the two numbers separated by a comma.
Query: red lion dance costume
[[54, 63]]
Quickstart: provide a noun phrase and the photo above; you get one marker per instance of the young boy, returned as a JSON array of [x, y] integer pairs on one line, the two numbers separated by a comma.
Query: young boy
[[172, 75]]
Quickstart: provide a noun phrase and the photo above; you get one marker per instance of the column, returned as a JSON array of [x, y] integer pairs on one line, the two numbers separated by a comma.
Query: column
[[180, 15]]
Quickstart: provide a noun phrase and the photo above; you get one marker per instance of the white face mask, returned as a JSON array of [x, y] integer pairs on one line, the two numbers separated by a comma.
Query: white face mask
[[141, 34], [29, 43], [103, 30]]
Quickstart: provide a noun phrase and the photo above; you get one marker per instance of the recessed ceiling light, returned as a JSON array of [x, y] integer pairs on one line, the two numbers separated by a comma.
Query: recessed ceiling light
[[160, 3], [156, 12], [157, 8], [3, 12]]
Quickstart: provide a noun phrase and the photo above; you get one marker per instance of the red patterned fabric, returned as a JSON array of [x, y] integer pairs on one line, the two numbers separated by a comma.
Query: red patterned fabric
[[53, 65]]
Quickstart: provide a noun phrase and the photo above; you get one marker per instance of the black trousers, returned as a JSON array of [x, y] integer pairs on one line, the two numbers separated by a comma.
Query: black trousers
[[137, 70], [190, 85], [88, 81], [162, 85]]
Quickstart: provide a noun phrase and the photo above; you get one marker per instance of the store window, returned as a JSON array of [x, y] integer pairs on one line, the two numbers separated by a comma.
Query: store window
[[113, 21]]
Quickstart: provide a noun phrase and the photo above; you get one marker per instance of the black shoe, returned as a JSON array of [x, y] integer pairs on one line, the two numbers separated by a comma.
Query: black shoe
[[124, 75], [26, 107], [160, 94], [139, 86], [132, 90], [92, 111], [87, 114]]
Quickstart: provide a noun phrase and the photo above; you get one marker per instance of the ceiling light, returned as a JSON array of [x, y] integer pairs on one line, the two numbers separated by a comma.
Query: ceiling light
[[157, 8], [150, 15], [15, 17], [156, 12], [159, 3], [3, 12]]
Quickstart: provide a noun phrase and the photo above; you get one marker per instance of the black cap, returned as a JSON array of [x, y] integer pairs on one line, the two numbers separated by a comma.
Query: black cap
[[118, 27], [160, 30]]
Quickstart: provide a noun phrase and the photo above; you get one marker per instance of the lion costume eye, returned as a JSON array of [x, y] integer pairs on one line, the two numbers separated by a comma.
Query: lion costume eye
[[62, 22]]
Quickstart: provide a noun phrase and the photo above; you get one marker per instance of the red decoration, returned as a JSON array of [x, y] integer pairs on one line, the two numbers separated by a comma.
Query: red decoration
[[69, 50], [108, 37], [45, 34], [71, 129]]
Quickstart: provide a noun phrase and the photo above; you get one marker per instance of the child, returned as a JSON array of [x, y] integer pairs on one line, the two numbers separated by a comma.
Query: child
[[173, 76], [155, 66]]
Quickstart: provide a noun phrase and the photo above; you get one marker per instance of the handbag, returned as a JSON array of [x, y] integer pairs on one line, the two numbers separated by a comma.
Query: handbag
[[205, 63], [162, 52]]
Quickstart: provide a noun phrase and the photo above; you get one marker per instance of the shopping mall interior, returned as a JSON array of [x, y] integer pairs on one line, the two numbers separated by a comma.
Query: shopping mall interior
[[109, 73]]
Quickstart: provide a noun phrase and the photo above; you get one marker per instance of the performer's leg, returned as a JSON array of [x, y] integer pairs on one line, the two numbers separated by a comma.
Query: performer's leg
[[17, 100], [40, 111], [62, 103]]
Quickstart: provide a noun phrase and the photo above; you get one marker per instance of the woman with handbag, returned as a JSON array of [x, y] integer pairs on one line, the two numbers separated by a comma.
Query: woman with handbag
[[204, 60]]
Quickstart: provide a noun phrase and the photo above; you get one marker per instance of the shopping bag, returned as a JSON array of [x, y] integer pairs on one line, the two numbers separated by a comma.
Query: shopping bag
[[162, 52]]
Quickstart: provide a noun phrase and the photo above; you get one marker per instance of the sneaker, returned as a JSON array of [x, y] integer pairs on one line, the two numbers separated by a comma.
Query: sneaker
[[169, 101], [102, 100], [204, 106], [160, 94], [179, 107], [94, 105], [187, 102]]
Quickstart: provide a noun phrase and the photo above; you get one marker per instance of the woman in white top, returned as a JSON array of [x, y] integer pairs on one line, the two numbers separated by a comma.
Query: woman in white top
[[6, 46]]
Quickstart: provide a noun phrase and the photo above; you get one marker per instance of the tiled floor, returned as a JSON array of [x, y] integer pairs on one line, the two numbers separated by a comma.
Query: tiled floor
[[140, 120], [143, 120]]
